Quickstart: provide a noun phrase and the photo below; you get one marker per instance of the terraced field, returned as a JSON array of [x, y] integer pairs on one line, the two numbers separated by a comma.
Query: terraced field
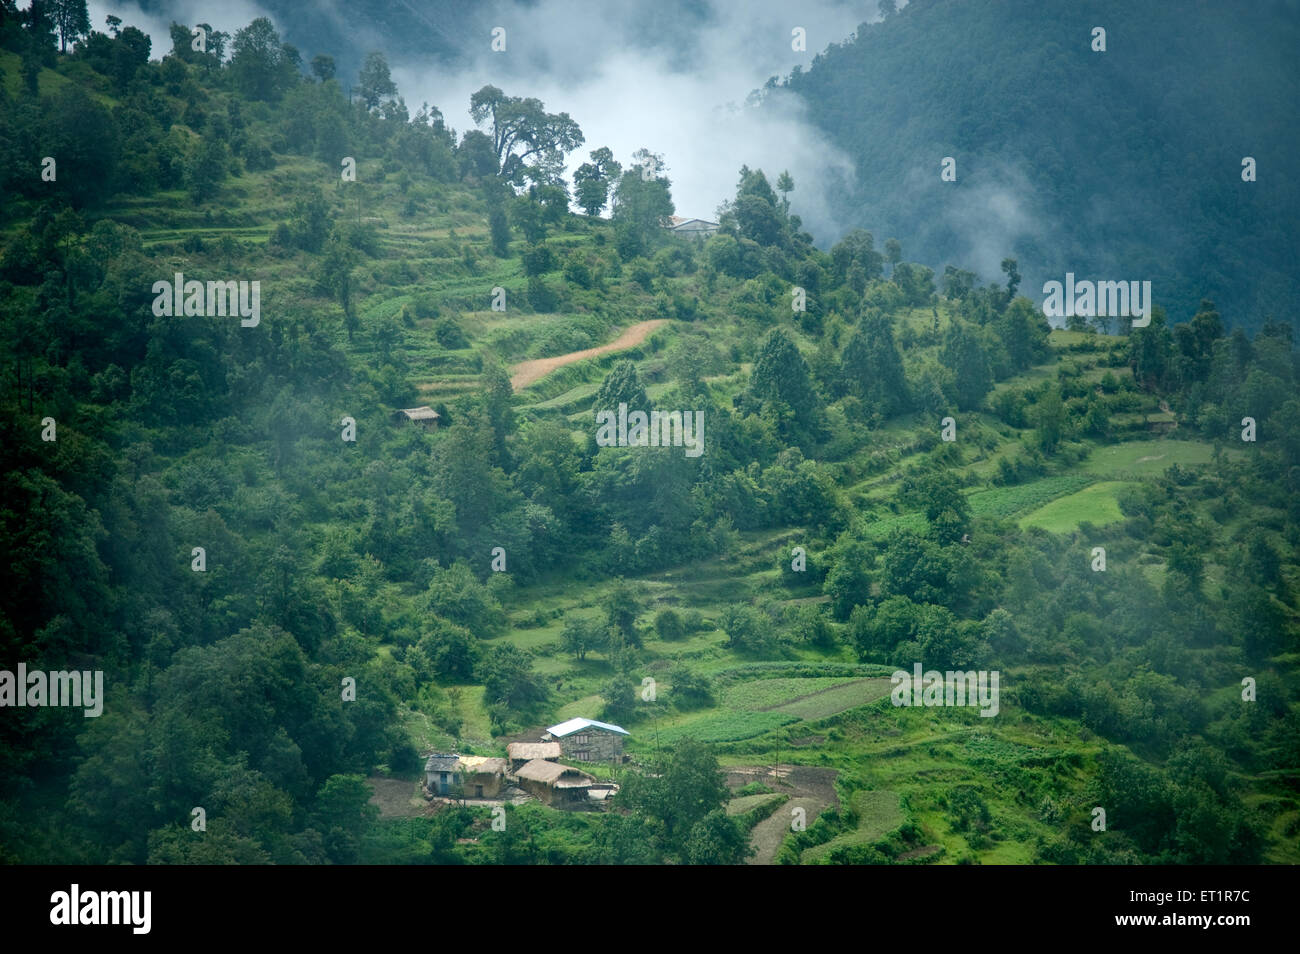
[[1004, 502], [763, 694], [878, 814], [727, 727], [829, 702], [1061, 501], [752, 708]]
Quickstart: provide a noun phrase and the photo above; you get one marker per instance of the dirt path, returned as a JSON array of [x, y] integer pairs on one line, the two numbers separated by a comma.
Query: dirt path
[[812, 789], [528, 372], [769, 834]]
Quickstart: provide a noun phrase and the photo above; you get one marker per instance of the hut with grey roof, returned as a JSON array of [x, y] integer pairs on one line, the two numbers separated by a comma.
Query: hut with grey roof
[[424, 416], [442, 774]]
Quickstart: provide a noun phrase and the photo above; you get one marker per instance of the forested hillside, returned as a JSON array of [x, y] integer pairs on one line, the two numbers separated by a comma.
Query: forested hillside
[[430, 29], [1122, 163], [908, 469]]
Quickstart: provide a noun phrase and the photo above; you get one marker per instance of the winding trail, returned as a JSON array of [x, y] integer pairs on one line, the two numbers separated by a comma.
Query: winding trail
[[528, 372]]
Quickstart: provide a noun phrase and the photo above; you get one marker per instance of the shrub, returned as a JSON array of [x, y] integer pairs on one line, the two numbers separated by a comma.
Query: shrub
[[537, 260], [690, 690], [578, 272], [541, 297], [669, 626], [449, 335]]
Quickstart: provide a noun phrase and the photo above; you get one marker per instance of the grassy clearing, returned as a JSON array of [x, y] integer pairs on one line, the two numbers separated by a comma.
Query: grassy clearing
[[426, 736], [1095, 504], [476, 727], [1136, 459], [581, 708]]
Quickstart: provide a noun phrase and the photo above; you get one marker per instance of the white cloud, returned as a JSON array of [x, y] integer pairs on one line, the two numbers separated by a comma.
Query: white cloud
[[228, 16], [670, 77], [630, 81]]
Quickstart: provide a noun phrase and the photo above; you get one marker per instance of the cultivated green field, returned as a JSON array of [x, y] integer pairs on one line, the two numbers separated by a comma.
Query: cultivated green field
[[1095, 504]]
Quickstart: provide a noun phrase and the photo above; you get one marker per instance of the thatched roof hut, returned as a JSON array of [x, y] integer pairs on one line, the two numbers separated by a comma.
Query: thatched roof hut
[[552, 782], [520, 753]]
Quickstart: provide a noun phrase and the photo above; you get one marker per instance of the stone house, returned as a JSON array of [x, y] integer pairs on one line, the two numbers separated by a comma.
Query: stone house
[[586, 740]]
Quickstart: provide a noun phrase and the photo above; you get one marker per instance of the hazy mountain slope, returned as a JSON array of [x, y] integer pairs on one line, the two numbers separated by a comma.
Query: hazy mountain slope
[[451, 31], [1118, 164], [434, 29]]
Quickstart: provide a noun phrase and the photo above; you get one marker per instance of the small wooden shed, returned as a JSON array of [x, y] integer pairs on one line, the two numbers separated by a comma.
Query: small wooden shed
[[424, 416]]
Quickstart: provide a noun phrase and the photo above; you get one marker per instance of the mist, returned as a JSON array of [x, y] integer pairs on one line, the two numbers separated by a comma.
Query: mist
[[228, 16], [676, 78], [985, 221], [633, 76]]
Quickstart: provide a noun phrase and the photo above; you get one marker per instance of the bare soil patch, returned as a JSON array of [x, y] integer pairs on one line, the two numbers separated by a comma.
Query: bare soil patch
[[399, 798], [529, 372]]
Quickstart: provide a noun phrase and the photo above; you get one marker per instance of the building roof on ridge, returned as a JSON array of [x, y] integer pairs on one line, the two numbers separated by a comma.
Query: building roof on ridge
[[576, 725]]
